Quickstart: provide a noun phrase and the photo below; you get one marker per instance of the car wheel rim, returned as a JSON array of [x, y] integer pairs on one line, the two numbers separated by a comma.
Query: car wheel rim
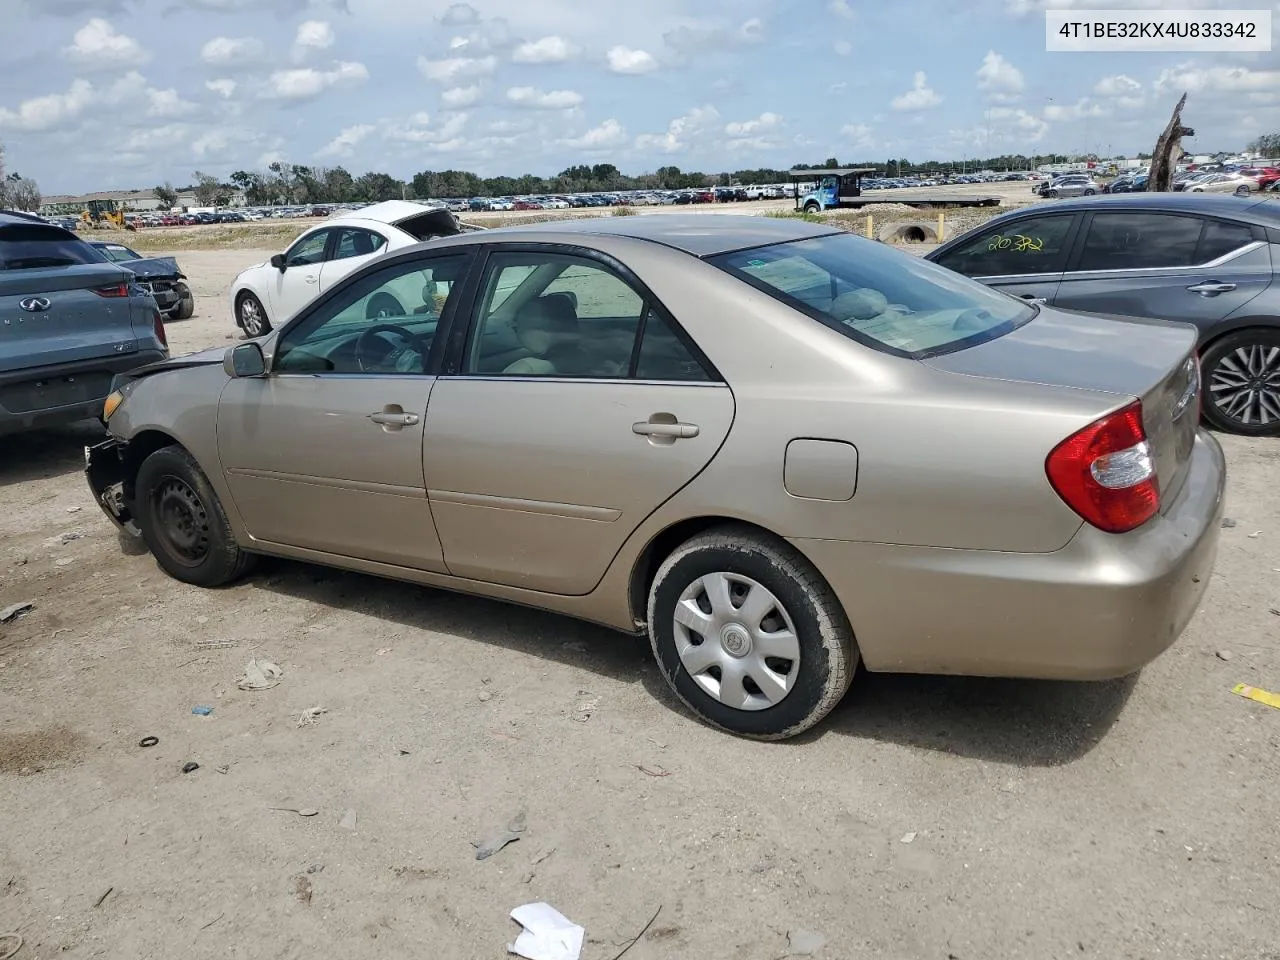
[[737, 641], [250, 316], [183, 521], [1245, 385]]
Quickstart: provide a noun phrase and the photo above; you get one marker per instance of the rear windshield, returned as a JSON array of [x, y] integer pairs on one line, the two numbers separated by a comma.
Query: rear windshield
[[879, 296], [28, 246]]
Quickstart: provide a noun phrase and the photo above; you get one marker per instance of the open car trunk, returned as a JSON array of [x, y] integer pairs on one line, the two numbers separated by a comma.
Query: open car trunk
[[429, 224]]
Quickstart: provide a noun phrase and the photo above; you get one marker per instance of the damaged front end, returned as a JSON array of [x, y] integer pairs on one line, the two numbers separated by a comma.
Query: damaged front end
[[162, 278], [104, 467]]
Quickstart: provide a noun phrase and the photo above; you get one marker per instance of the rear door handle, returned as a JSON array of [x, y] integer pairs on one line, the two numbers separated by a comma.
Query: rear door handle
[[673, 431], [1034, 299], [1211, 288], [389, 419]]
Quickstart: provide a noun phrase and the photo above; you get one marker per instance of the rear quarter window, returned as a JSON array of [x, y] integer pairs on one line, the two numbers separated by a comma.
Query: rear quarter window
[[33, 246]]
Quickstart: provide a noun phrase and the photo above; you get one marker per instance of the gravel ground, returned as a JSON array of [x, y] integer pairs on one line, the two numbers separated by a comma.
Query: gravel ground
[[927, 818]]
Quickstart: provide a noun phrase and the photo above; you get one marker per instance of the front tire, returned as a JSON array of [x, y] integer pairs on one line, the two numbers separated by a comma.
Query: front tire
[[1242, 190], [1052, 194], [749, 635], [812, 209], [1242, 383], [183, 522], [186, 304], [251, 316]]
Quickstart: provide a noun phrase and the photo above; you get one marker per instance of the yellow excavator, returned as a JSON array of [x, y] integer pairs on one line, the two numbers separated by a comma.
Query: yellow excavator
[[101, 214]]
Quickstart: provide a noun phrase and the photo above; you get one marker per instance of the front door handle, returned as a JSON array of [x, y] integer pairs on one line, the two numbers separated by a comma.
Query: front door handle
[[391, 418], [1211, 288], [311, 278], [666, 430]]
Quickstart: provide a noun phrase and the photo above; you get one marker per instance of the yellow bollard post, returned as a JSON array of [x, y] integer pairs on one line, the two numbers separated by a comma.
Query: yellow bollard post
[[868, 226], [942, 217]]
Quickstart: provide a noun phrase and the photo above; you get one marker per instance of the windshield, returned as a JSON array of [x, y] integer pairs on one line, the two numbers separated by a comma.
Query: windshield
[[879, 296]]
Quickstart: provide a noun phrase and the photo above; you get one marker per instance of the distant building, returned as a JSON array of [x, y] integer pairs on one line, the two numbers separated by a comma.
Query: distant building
[[139, 201]]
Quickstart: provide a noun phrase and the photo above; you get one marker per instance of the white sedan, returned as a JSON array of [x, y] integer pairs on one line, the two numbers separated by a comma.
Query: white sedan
[[267, 294]]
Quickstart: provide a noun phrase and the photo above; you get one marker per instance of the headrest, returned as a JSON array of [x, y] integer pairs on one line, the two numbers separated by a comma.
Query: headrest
[[552, 312], [861, 304]]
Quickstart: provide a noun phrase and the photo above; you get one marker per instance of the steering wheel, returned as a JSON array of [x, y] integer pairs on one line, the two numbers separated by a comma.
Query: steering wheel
[[365, 341]]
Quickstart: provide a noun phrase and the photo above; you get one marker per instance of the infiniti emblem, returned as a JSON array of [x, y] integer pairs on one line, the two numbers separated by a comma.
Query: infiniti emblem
[[34, 304]]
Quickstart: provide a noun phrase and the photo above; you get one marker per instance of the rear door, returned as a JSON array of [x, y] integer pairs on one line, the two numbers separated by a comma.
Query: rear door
[[1023, 257], [542, 460], [1168, 266], [59, 301]]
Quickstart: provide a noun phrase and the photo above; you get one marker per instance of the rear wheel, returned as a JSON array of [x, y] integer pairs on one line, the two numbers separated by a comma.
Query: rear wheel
[[749, 635], [1242, 382], [183, 522], [251, 316], [186, 303]]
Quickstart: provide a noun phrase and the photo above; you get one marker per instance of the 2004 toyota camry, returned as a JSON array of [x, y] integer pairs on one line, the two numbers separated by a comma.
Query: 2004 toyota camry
[[777, 448]]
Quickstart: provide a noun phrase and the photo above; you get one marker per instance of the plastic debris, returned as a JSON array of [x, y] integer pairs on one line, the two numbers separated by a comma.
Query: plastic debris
[[64, 561], [1227, 522], [311, 715], [300, 811], [1257, 694], [585, 706], [654, 771], [302, 889], [148, 741], [1255, 535], [500, 838], [62, 539], [16, 610], [348, 821], [215, 644], [804, 943], [908, 837], [202, 711], [1223, 655], [190, 767], [260, 675], [74, 509], [547, 935]]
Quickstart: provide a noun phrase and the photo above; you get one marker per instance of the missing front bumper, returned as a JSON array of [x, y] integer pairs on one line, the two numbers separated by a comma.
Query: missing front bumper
[[104, 468]]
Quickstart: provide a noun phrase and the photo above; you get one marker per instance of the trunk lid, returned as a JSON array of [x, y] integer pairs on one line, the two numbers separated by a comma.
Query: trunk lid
[[418, 221], [52, 315], [1131, 357]]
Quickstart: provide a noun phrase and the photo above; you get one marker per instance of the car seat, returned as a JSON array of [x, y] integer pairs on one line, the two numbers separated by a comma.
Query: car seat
[[546, 326]]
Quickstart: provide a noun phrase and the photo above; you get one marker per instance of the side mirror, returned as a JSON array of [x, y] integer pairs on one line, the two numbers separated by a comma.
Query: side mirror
[[278, 262], [244, 360]]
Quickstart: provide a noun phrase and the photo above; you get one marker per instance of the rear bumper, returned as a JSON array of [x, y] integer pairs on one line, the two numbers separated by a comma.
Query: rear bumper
[[1103, 606], [63, 393]]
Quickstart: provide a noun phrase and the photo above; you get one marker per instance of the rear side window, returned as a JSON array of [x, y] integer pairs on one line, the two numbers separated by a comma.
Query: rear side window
[[31, 246], [1220, 239], [1140, 241]]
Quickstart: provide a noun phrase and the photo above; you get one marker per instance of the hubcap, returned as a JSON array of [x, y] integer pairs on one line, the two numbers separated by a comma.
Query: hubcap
[[737, 641], [183, 521], [1245, 385]]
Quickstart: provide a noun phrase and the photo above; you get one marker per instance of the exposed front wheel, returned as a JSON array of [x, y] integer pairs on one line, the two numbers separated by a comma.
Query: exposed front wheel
[[1242, 190], [186, 303], [749, 635], [1242, 383], [812, 208], [251, 316], [183, 522]]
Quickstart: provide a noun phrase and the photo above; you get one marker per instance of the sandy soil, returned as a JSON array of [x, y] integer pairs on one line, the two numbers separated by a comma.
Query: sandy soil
[[1131, 819]]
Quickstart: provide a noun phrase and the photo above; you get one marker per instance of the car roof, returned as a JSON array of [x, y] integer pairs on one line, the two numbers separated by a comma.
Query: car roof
[[1264, 212], [9, 217], [702, 235]]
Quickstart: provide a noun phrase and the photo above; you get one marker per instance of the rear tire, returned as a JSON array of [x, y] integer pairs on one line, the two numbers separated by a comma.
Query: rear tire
[[775, 606], [251, 316], [1241, 373], [186, 305], [183, 523]]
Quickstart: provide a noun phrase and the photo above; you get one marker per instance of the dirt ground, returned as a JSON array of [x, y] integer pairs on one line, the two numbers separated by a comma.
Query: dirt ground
[[927, 818]]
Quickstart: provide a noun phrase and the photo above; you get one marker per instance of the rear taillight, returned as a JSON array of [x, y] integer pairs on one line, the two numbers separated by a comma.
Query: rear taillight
[[159, 325], [117, 290], [1106, 473]]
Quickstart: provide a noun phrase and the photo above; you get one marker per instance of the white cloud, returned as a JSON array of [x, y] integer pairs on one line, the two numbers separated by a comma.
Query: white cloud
[[1195, 79], [628, 61], [547, 50], [609, 134], [511, 126], [50, 111], [312, 35], [1021, 7], [452, 69], [232, 51], [1123, 91], [681, 131], [224, 87], [1020, 124], [460, 15], [460, 96], [97, 44], [841, 8], [919, 97], [1082, 109], [305, 83], [345, 142], [167, 103], [746, 128], [843, 48], [859, 135], [999, 78], [697, 39], [549, 100], [419, 129]]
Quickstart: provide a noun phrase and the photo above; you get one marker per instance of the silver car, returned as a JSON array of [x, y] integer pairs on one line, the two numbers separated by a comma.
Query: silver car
[[778, 449]]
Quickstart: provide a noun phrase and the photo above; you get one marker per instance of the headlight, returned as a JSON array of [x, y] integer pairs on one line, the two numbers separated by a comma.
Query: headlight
[[113, 401]]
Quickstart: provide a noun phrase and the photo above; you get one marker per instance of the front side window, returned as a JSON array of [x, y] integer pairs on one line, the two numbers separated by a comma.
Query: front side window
[[878, 296], [1140, 241], [308, 250], [1034, 245], [384, 323], [549, 315]]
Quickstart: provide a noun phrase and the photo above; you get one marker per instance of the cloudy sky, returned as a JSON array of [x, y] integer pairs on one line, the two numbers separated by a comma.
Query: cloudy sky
[[111, 94]]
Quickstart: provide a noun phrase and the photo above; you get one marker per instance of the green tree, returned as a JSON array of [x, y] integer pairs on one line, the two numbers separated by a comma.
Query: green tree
[[375, 187], [167, 196], [1267, 145], [210, 191], [20, 193]]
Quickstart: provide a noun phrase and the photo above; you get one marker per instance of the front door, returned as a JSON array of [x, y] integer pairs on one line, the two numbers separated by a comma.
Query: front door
[[576, 410], [1175, 267], [1023, 257], [352, 248], [325, 451], [299, 282]]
